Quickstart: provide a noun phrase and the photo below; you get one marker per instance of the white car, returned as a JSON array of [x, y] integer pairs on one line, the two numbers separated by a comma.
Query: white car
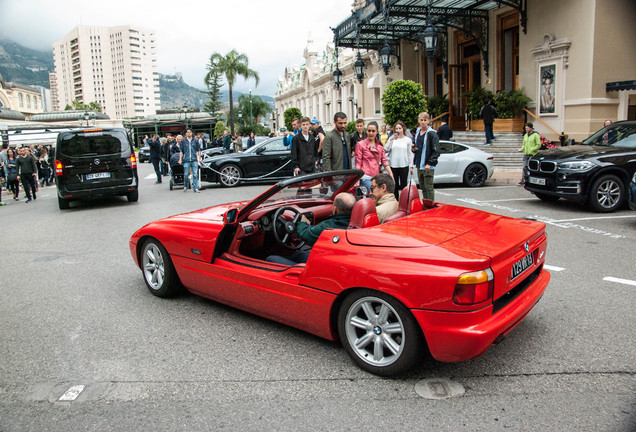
[[461, 163]]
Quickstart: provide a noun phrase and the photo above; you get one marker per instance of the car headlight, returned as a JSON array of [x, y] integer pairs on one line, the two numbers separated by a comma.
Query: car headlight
[[576, 165]]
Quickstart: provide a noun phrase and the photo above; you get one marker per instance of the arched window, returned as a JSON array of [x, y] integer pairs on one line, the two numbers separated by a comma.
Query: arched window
[[29, 101], [20, 100]]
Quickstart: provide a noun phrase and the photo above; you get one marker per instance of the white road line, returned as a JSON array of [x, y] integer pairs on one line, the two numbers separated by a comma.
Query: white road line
[[511, 199], [596, 218], [619, 280], [553, 268], [150, 176], [443, 193]]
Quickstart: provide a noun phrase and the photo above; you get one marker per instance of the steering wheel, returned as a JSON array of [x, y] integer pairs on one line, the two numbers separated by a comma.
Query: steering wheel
[[285, 231]]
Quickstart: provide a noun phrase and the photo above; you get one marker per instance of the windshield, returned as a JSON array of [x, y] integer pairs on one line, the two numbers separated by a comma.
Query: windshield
[[323, 187], [615, 135]]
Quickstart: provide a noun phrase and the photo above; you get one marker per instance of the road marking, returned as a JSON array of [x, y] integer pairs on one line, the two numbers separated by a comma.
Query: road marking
[[150, 176], [71, 394], [511, 199], [553, 268], [595, 218], [444, 193], [619, 280]]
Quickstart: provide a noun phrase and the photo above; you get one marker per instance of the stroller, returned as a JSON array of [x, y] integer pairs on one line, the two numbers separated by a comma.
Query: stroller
[[176, 172]]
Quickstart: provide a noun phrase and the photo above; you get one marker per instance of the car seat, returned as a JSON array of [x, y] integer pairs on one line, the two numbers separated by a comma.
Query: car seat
[[364, 214], [409, 203]]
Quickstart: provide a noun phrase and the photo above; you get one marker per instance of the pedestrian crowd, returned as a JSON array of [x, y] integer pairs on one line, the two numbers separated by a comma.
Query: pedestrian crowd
[[26, 167]]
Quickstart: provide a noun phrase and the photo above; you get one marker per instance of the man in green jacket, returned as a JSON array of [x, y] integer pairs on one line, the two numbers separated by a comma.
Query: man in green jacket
[[336, 149], [339, 219], [530, 147]]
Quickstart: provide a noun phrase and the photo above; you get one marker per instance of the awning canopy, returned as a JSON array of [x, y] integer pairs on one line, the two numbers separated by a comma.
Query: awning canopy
[[393, 20], [620, 85]]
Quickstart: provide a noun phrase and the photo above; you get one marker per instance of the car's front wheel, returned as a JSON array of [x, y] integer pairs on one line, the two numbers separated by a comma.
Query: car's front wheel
[[379, 333], [475, 175], [159, 273], [607, 194], [230, 175]]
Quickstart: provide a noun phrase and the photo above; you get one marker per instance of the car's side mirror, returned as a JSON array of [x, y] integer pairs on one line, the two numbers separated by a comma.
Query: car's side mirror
[[360, 191], [230, 217]]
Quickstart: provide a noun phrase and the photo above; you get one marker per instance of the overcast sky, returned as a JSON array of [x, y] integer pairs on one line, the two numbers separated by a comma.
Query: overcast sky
[[273, 34]]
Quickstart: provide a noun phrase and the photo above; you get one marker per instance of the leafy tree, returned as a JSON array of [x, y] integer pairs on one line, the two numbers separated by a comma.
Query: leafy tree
[[437, 105], [403, 100], [213, 81], [289, 115], [219, 128], [232, 65], [259, 109], [351, 127], [79, 106]]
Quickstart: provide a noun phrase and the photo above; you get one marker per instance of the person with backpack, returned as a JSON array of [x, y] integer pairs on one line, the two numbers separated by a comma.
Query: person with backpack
[[530, 147]]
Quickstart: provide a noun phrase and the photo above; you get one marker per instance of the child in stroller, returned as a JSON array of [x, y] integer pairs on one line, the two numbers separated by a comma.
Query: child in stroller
[[176, 172]]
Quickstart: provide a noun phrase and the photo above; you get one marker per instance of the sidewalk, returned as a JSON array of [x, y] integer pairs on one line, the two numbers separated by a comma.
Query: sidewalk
[[505, 177]]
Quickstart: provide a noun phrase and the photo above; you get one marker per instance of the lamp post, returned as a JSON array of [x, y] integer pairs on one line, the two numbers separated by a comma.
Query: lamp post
[[240, 116], [359, 67], [337, 73], [385, 55], [251, 118], [185, 115]]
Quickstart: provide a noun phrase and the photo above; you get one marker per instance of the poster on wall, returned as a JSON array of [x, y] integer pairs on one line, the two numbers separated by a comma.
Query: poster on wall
[[547, 75]]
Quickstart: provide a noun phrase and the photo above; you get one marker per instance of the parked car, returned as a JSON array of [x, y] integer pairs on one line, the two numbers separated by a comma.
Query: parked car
[[95, 162], [631, 199], [215, 151], [144, 153], [269, 160], [461, 163], [389, 292], [596, 172]]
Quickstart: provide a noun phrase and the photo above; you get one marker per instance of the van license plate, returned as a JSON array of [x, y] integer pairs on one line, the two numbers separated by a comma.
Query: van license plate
[[97, 175], [522, 265], [537, 181]]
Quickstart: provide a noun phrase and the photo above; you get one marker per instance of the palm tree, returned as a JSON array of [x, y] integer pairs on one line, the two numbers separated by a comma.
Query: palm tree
[[231, 65]]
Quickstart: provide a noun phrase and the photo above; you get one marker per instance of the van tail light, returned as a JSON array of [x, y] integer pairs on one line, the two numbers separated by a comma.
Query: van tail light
[[133, 160], [474, 287], [59, 168]]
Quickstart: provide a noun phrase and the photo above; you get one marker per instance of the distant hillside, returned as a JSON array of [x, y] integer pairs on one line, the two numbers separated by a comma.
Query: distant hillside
[[24, 65]]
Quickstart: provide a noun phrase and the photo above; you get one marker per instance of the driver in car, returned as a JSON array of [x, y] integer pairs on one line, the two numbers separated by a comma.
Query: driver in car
[[340, 217]]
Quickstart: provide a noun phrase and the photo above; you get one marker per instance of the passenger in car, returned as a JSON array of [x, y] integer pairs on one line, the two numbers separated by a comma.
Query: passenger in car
[[382, 188], [339, 219]]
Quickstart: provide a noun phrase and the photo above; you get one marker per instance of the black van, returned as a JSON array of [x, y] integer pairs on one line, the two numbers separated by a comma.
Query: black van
[[95, 162]]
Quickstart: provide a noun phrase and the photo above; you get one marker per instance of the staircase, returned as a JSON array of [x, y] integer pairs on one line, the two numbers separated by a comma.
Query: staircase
[[504, 148]]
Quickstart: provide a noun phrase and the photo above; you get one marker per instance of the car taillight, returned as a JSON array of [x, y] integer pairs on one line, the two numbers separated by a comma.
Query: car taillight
[[474, 287], [59, 168], [133, 161]]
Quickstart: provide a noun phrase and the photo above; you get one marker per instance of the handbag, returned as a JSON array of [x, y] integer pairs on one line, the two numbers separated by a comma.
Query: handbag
[[12, 177]]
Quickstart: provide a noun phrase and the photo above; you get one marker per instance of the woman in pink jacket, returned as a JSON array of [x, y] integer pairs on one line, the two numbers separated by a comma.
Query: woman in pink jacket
[[370, 155]]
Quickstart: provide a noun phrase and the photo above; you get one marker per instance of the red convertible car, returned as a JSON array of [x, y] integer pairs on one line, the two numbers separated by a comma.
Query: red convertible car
[[442, 278]]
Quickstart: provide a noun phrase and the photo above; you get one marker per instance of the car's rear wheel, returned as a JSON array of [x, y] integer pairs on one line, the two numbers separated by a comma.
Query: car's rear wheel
[[133, 196], [379, 333], [230, 175], [63, 203], [159, 273], [546, 197], [607, 194], [475, 175]]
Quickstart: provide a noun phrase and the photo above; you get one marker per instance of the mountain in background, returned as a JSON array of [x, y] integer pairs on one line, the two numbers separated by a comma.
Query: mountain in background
[[31, 67], [24, 65]]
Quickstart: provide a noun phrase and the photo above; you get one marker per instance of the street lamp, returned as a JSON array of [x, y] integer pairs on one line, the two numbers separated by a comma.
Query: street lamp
[[251, 118], [359, 67], [86, 117], [337, 73], [385, 55], [185, 115], [430, 40]]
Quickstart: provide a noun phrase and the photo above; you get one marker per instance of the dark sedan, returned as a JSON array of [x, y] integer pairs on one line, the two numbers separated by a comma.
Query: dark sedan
[[631, 199], [269, 160], [596, 172]]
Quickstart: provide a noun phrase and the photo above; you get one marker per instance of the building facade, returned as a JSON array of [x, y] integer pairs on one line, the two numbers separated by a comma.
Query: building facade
[[20, 98], [573, 58], [114, 66]]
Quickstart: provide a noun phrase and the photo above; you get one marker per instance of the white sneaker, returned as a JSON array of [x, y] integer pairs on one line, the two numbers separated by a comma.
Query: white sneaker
[[185, 188], [197, 191]]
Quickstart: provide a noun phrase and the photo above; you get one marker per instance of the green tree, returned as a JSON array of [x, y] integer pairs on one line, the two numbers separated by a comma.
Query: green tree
[[258, 109], [213, 81], [403, 100], [351, 127], [232, 65], [289, 115], [79, 106], [437, 105], [219, 128]]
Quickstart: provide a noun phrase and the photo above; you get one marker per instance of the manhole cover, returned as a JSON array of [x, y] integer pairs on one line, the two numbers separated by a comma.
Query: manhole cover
[[438, 388]]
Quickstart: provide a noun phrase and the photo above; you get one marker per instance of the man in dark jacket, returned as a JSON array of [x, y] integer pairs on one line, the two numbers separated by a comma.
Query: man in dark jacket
[[155, 155], [304, 150], [27, 170], [359, 135], [427, 150], [336, 147], [488, 114], [445, 133], [165, 154]]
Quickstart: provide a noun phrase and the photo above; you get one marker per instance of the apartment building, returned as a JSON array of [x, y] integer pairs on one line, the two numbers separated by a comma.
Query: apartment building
[[114, 66]]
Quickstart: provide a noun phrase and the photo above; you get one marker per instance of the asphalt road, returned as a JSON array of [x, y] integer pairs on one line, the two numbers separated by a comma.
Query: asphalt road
[[75, 311]]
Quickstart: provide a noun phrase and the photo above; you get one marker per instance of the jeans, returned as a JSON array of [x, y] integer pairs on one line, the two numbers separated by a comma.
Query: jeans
[[524, 169], [400, 175], [426, 183], [489, 134], [155, 164], [195, 174], [28, 183]]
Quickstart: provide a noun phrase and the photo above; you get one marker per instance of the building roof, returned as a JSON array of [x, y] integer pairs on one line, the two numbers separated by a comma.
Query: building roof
[[9, 114]]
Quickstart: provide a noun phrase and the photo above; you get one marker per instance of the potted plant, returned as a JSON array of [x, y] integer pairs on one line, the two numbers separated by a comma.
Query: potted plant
[[508, 103]]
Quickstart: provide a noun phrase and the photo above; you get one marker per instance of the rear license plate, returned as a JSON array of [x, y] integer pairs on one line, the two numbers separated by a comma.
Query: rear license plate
[[97, 175], [522, 265], [537, 181]]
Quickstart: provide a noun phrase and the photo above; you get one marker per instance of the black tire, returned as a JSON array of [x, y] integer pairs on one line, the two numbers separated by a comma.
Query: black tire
[[546, 197], [133, 196], [63, 203], [171, 184], [158, 270], [401, 347], [607, 194], [475, 175], [230, 175]]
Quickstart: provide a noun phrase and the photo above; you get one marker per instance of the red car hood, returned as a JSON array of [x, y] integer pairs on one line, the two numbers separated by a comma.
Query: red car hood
[[450, 226]]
